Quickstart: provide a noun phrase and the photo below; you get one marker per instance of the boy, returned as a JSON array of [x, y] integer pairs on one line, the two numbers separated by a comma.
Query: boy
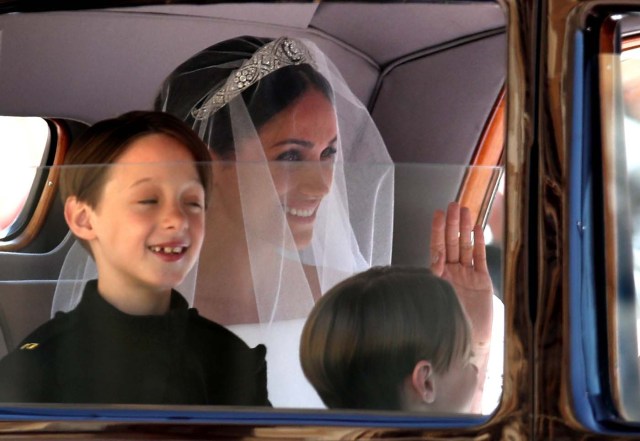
[[133, 339], [390, 338]]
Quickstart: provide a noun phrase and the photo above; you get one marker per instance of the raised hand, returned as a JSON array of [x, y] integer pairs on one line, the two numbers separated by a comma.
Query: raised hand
[[462, 260]]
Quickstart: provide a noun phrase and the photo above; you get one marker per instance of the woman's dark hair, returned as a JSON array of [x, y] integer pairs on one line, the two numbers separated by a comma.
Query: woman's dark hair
[[365, 335], [190, 83]]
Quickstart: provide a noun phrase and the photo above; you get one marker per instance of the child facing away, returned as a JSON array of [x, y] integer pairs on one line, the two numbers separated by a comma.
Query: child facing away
[[390, 338], [133, 339]]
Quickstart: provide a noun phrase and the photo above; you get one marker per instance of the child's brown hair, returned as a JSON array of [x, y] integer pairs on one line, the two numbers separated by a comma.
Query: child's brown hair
[[366, 334]]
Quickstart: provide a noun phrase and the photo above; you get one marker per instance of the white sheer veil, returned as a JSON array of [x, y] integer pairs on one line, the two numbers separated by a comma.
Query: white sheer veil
[[224, 92], [353, 223]]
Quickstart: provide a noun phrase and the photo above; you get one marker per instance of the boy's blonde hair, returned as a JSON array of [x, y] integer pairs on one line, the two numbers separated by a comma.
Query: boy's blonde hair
[[365, 335]]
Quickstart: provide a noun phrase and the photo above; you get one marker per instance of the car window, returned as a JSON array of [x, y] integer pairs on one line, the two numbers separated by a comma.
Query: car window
[[24, 147], [433, 157], [288, 386], [630, 62], [627, 193], [618, 334]]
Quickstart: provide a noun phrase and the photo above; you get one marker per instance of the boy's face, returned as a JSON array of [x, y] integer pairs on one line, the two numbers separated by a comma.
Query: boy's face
[[148, 225]]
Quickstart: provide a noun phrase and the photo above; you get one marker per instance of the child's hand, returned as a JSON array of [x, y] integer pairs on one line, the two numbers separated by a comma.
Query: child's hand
[[463, 262]]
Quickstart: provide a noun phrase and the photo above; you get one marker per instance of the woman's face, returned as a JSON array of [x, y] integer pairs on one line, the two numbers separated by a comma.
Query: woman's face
[[300, 144]]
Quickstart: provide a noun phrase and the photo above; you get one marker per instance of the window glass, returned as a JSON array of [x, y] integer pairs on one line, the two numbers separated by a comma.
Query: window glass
[[410, 78], [129, 216], [631, 96], [494, 234], [494, 237], [24, 144], [620, 110]]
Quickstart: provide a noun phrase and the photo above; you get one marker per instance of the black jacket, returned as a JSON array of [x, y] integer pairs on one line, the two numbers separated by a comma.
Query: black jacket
[[97, 354]]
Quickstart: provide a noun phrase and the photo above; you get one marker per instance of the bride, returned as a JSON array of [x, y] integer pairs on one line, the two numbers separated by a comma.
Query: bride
[[303, 184], [302, 197], [303, 190]]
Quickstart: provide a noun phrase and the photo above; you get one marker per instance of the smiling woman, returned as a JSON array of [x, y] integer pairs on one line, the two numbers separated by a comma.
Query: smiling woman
[[302, 190], [294, 208], [304, 133]]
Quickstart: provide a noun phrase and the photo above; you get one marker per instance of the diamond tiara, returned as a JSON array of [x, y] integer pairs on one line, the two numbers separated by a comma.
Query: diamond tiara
[[284, 51]]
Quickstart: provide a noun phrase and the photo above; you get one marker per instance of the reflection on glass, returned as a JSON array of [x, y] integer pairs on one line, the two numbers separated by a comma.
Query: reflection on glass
[[630, 63], [494, 236], [621, 164], [287, 385]]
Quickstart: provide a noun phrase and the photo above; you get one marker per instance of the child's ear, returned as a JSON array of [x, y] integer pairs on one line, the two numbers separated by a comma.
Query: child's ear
[[78, 217], [423, 382]]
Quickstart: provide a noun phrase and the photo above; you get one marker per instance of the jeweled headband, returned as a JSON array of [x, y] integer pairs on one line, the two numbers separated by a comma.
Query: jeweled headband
[[284, 51]]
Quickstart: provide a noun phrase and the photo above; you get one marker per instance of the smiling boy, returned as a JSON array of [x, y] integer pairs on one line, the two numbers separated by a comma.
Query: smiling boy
[[133, 339]]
